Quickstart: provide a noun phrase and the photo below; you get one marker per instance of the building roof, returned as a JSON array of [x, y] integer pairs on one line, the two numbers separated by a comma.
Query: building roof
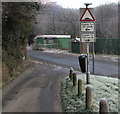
[[52, 36]]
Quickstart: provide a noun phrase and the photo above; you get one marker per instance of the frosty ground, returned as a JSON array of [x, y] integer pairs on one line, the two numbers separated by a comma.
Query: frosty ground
[[102, 87]]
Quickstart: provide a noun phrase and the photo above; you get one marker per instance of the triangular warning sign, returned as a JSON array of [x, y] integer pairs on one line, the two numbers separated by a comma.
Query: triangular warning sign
[[87, 16]]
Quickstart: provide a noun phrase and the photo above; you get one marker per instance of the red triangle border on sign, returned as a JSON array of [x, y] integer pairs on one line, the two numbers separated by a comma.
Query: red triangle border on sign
[[89, 13]]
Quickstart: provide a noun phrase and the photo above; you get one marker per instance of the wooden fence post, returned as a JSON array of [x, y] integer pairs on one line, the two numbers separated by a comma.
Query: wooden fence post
[[89, 102], [80, 87], [103, 106], [71, 73], [74, 79]]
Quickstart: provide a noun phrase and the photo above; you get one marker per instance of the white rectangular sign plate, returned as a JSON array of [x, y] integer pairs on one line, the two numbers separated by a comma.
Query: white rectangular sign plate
[[88, 40], [88, 37], [87, 27]]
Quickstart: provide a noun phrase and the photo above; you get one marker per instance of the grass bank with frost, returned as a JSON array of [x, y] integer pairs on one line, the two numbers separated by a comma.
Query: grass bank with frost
[[102, 87]]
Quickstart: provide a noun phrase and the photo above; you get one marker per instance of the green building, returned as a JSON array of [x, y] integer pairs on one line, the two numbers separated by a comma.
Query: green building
[[52, 41]]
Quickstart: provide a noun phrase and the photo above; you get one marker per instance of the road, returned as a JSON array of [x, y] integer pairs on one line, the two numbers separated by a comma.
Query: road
[[103, 66], [37, 89]]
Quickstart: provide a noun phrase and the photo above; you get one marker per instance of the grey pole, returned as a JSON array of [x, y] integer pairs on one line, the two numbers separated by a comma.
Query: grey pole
[[87, 69], [93, 58], [87, 63]]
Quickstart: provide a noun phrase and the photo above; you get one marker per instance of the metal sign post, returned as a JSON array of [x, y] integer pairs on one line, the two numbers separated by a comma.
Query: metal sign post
[[87, 32], [87, 70], [93, 56]]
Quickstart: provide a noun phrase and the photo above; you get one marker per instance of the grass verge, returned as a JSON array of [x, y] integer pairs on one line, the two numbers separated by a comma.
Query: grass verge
[[102, 87], [15, 73]]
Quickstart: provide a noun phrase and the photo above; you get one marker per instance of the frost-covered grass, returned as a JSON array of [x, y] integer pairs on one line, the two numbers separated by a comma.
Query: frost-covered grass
[[102, 87]]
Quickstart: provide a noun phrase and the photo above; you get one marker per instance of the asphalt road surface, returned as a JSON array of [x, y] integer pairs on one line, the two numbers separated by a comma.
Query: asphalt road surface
[[103, 65], [35, 90]]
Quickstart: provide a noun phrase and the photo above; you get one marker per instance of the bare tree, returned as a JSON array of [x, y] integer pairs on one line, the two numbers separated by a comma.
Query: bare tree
[[57, 20], [107, 21], [71, 18]]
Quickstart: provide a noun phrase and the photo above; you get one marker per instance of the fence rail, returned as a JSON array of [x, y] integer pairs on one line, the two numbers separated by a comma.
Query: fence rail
[[107, 46]]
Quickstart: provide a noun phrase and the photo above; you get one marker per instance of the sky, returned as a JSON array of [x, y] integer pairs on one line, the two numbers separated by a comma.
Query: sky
[[80, 3]]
